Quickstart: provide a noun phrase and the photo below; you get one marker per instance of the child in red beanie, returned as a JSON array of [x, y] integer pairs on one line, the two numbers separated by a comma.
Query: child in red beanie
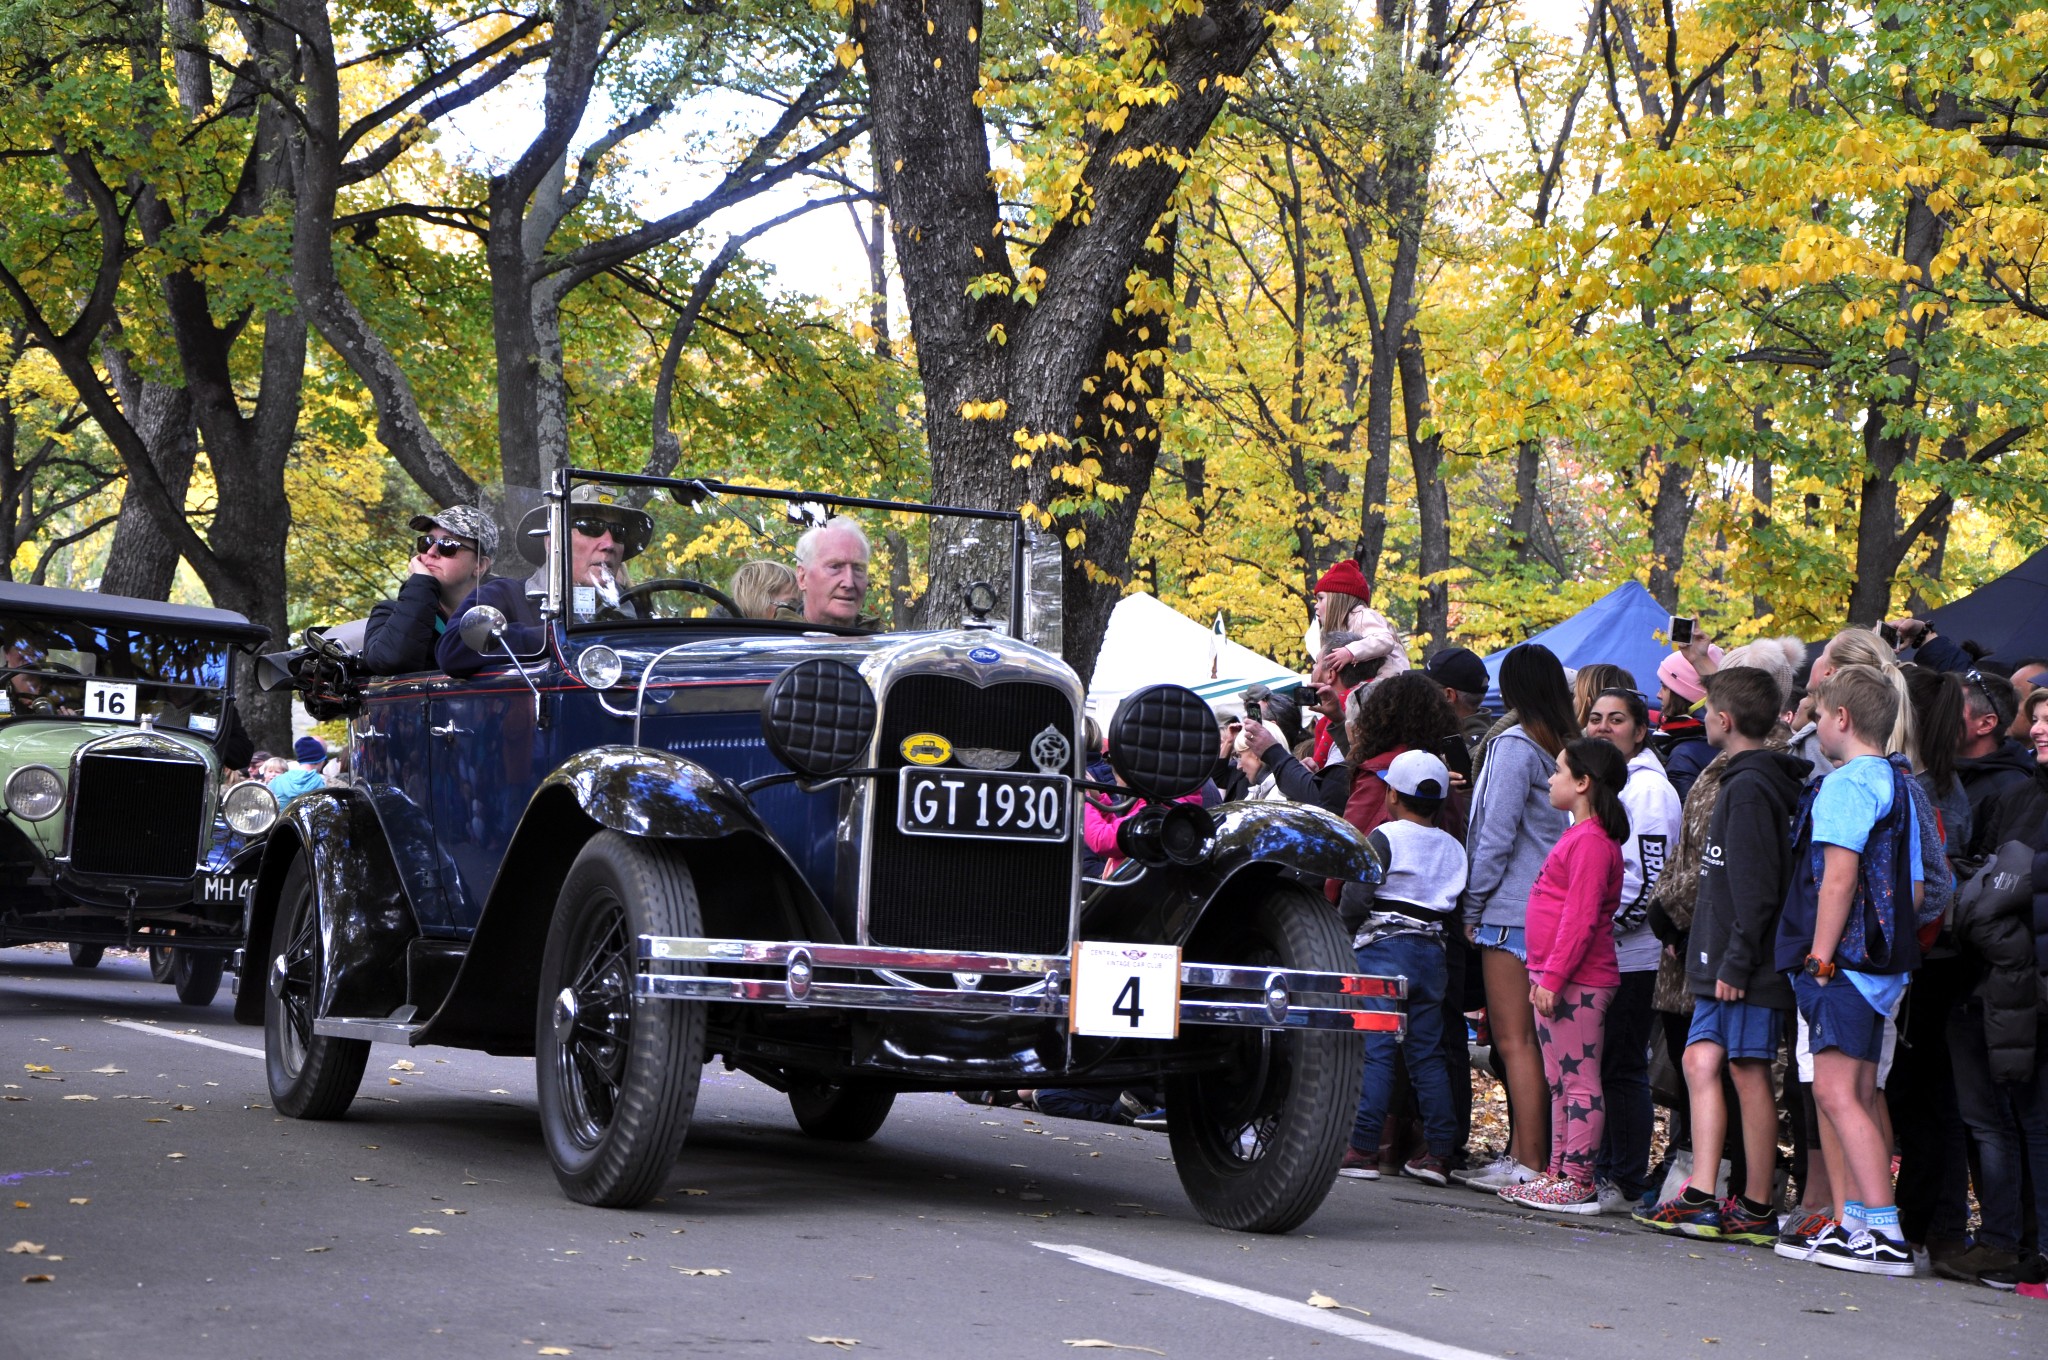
[[1344, 605]]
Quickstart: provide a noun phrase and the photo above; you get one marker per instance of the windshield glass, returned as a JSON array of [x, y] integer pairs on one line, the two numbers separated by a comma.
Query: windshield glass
[[677, 550], [111, 672]]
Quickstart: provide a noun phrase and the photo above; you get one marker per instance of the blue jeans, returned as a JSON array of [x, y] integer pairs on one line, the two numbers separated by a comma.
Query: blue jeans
[[2008, 1122], [1625, 1078], [1420, 959]]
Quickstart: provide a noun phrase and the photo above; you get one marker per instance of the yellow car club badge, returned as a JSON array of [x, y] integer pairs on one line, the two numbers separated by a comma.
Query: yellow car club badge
[[926, 748]]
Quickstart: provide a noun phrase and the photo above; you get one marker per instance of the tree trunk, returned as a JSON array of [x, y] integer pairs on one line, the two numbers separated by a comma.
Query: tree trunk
[[142, 562], [1527, 507], [1432, 497], [1670, 517]]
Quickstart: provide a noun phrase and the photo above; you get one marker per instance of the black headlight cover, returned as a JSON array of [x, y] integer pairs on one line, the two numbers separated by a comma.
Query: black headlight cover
[[818, 717], [1163, 741]]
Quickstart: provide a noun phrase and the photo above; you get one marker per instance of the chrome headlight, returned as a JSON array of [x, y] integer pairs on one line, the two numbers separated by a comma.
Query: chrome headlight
[[249, 807], [599, 667], [34, 793]]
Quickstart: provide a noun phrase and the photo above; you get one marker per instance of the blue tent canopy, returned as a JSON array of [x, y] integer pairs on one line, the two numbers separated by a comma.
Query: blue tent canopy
[[1625, 627], [2008, 615]]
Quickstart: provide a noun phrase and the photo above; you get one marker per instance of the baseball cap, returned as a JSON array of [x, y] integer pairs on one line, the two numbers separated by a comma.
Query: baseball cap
[[464, 521], [1418, 774], [1458, 669]]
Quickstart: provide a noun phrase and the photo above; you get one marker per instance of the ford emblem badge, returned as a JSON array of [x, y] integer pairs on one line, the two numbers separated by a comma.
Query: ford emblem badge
[[985, 655]]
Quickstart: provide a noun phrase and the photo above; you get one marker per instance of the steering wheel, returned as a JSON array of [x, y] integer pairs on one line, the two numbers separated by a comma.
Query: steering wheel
[[683, 583]]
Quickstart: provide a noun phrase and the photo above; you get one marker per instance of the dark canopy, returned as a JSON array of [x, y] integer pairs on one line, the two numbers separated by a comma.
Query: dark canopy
[[89, 606], [2008, 615]]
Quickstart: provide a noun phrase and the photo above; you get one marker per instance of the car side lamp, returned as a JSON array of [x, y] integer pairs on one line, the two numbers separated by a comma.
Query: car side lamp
[[480, 626]]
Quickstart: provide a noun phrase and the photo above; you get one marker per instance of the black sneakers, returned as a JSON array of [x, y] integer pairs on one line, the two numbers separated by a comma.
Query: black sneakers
[[2030, 1270], [1866, 1253]]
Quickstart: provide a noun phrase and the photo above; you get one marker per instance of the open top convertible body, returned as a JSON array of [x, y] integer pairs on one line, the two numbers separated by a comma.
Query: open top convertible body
[[846, 861]]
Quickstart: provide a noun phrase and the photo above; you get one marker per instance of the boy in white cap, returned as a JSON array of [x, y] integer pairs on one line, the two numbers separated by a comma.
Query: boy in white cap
[[1399, 931]]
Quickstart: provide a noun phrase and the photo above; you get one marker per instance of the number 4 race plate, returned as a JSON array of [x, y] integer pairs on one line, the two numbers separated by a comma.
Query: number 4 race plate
[[1125, 991]]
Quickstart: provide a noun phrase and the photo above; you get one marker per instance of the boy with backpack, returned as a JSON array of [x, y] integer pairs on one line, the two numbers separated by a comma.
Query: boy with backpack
[[1848, 940], [1398, 930], [1741, 1001]]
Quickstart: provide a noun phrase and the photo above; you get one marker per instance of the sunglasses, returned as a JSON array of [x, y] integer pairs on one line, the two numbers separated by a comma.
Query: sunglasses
[[1977, 678], [440, 547], [597, 526]]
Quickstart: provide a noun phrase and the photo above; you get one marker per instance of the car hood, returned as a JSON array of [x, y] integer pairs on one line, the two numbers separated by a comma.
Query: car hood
[[50, 741]]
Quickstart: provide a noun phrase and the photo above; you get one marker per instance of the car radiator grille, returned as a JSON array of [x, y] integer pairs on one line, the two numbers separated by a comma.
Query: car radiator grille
[[930, 892], [137, 816]]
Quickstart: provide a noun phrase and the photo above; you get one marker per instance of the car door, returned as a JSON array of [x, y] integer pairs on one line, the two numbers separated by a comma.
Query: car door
[[391, 754], [488, 756]]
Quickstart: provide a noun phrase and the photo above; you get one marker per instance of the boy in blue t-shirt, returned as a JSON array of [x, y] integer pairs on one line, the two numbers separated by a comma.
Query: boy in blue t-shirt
[[1847, 938]]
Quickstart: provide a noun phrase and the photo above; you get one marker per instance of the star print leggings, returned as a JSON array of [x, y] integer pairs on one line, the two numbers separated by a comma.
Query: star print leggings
[[1571, 1040]]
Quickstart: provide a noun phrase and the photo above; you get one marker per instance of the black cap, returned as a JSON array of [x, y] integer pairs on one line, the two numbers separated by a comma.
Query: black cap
[[1458, 669]]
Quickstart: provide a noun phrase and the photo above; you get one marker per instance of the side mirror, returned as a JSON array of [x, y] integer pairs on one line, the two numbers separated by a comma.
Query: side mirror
[[478, 625]]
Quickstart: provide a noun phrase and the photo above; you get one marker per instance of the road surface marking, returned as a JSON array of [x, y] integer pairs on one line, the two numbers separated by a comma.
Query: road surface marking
[[221, 1044], [1273, 1306]]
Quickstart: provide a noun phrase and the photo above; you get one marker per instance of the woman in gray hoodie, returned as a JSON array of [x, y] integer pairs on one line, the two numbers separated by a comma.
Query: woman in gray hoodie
[[1513, 827]]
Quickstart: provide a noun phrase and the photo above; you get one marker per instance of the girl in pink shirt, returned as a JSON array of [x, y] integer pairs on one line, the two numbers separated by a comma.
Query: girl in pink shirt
[[1572, 969]]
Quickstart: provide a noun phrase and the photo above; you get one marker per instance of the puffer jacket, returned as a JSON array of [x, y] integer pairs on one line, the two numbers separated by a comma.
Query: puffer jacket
[[1996, 933]]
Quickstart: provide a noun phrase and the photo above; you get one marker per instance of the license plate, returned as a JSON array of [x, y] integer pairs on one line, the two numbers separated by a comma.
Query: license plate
[[226, 887], [983, 805]]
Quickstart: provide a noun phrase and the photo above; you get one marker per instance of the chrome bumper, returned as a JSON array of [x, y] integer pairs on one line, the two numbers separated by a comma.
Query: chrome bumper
[[1259, 998]]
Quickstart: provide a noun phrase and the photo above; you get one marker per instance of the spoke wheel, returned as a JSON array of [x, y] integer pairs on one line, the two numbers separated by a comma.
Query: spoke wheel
[[1257, 1142], [618, 1075], [311, 1076]]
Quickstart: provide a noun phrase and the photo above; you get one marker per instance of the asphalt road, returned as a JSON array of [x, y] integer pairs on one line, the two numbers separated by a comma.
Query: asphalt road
[[179, 1216]]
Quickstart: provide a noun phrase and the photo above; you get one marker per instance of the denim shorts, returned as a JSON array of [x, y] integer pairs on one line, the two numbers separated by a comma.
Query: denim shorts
[[1510, 939], [1838, 1017], [1744, 1030]]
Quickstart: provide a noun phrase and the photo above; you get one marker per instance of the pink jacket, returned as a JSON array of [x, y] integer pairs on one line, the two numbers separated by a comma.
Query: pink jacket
[[1376, 638], [1570, 923]]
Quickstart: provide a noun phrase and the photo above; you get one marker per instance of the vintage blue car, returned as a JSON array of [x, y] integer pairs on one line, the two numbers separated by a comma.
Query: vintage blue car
[[119, 743], [659, 823]]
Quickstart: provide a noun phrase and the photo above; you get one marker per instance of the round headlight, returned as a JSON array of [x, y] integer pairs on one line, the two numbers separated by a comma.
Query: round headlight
[[34, 792], [1163, 741], [249, 807], [599, 667], [819, 717]]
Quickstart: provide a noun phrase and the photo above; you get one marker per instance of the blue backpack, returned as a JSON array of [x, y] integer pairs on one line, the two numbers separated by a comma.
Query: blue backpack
[[1881, 934]]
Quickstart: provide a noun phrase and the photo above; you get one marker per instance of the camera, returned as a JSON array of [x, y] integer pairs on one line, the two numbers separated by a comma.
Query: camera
[[1680, 631]]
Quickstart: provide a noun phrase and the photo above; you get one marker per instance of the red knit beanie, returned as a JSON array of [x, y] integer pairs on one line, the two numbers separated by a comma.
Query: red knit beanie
[[1346, 578]]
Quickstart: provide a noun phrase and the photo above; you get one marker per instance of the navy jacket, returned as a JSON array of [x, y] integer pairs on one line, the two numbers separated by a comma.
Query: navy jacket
[[401, 633], [1744, 872], [523, 627]]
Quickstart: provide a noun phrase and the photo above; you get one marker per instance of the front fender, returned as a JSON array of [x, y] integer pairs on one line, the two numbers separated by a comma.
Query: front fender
[[748, 887], [365, 920], [1252, 839]]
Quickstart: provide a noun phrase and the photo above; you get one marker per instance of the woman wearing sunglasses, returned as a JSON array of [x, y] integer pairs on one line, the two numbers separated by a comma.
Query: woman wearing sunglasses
[[451, 558]]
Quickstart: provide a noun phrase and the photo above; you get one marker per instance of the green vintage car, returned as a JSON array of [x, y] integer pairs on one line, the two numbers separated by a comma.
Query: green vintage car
[[116, 722]]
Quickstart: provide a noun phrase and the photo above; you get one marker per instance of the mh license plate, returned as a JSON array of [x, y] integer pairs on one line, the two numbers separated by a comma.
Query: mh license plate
[[983, 805], [226, 887]]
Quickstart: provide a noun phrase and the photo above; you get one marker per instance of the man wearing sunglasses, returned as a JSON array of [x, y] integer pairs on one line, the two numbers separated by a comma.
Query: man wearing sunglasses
[[451, 558], [604, 534], [1997, 773]]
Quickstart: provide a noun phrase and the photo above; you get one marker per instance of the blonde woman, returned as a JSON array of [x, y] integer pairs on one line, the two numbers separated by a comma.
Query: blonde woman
[[761, 587]]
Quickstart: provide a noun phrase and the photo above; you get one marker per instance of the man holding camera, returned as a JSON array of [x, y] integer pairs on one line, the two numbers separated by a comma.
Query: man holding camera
[[1328, 784]]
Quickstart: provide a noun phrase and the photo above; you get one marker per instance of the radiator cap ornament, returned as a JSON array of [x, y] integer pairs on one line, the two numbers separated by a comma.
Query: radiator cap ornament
[[1050, 750]]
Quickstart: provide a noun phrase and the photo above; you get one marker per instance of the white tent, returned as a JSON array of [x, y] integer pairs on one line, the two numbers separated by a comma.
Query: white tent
[[1150, 643]]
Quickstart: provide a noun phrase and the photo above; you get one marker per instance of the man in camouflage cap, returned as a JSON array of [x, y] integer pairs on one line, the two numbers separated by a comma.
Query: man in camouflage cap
[[451, 558]]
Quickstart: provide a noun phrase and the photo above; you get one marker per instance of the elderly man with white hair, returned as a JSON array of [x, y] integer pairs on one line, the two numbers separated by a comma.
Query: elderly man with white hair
[[832, 573]]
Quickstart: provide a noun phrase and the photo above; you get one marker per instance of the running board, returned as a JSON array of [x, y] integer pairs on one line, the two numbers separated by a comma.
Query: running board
[[376, 1031]]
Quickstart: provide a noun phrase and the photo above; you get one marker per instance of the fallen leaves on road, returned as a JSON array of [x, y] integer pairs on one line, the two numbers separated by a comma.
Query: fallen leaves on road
[[700, 1270], [1090, 1343], [174, 1156], [1710, 1341], [156, 1119], [1601, 1326], [82, 1199], [25, 1248], [311, 1250], [38, 1279], [111, 1071], [451, 1212], [359, 1179], [38, 1067], [81, 1097], [554, 1350], [23, 1204], [1319, 1299], [844, 1343], [184, 1107], [394, 1081], [425, 1232], [403, 1065], [497, 1091]]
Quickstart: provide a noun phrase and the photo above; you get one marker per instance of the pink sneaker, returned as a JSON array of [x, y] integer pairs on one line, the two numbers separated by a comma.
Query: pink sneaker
[[1556, 1194]]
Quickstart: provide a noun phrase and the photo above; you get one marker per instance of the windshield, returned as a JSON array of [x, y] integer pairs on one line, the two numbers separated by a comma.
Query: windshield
[[111, 672], [645, 550]]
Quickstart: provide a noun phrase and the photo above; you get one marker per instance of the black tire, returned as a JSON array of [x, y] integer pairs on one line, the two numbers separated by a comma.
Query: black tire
[[160, 963], [86, 955], [312, 1076], [840, 1113], [196, 975], [617, 1077], [1257, 1143]]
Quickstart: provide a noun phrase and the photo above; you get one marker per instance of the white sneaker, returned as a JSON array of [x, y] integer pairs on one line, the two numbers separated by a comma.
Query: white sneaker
[[1612, 1201], [1465, 1174], [1507, 1171]]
